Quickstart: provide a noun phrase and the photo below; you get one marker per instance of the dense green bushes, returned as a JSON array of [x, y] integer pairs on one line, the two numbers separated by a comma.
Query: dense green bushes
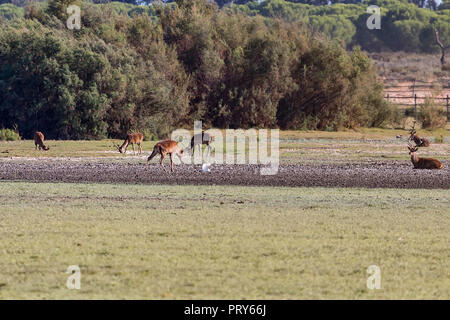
[[9, 135], [9, 11], [47, 81], [192, 62], [404, 26]]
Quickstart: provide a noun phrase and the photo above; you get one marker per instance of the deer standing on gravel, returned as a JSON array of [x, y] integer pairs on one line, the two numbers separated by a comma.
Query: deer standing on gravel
[[133, 138], [201, 139], [39, 141], [166, 147], [423, 163]]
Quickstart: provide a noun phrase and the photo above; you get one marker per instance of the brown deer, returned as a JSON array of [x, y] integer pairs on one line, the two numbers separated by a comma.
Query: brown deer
[[133, 138], [201, 139], [423, 163], [420, 142], [166, 147], [39, 141]]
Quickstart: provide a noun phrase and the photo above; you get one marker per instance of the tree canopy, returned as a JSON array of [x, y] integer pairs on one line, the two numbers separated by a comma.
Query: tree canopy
[[157, 68]]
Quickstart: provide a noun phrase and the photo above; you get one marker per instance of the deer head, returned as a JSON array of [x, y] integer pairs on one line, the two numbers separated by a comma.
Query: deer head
[[412, 148], [116, 146]]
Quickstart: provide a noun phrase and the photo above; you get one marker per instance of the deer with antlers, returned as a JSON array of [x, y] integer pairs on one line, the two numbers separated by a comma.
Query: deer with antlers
[[423, 163], [201, 139], [164, 148], [39, 141], [132, 138], [420, 142]]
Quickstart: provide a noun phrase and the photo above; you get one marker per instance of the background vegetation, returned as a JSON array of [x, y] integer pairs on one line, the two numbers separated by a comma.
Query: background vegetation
[[405, 26], [154, 68], [8, 135]]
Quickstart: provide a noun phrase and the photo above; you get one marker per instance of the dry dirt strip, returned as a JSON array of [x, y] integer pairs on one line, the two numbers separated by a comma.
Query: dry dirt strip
[[394, 174]]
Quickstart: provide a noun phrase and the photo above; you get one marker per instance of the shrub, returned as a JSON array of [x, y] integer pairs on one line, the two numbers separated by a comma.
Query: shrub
[[9, 135], [148, 135], [439, 139], [432, 116]]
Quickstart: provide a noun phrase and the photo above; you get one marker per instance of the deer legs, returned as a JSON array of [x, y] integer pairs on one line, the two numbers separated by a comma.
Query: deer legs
[[200, 149], [161, 162]]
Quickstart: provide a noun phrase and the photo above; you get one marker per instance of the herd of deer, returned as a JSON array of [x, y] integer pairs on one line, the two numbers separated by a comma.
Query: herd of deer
[[170, 147], [163, 148]]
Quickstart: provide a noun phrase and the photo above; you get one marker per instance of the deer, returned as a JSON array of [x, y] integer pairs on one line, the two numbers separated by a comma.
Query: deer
[[39, 141], [133, 138], [420, 142], [201, 139], [423, 163], [164, 148]]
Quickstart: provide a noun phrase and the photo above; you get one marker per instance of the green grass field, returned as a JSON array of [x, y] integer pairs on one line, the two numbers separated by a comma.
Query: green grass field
[[295, 147], [222, 242]]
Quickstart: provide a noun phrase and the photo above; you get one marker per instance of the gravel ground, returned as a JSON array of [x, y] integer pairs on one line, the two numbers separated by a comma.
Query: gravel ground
[[392, 174]]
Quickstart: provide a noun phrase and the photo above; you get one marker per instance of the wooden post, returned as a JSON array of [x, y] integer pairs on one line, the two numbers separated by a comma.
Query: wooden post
[[415, 106], [448, 113]]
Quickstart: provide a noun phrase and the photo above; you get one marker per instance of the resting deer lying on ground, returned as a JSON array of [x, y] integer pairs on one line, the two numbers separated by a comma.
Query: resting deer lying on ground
[[201, 139], [420, 142], [39, 141], [423, 163], [166, 147], [133, 138]]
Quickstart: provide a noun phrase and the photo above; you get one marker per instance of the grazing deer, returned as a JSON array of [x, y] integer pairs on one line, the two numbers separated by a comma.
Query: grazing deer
[[166, 147], [423, 163], [39, 141], [133, 138], [201, 139]]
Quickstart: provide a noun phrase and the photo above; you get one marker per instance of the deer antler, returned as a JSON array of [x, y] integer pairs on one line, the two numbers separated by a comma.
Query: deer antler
[[412, 132], [412, 127]]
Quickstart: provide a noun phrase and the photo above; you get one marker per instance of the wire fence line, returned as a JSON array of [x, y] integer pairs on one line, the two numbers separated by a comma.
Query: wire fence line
[[444, 101]]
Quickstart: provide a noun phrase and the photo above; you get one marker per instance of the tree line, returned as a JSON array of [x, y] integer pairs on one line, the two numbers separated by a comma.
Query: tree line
[[159, 70], [406, 25]]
